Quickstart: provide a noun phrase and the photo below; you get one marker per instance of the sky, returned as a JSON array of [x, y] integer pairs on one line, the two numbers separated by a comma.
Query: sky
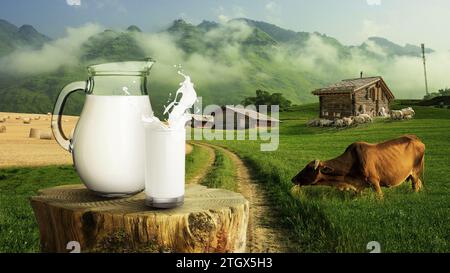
[[350, 21]]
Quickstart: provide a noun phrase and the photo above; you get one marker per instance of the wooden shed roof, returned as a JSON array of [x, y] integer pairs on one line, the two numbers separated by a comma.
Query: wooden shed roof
[[351, 86], [203, 118]]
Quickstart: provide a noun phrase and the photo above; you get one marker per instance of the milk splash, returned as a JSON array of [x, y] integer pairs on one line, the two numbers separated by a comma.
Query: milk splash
[[178, 110]]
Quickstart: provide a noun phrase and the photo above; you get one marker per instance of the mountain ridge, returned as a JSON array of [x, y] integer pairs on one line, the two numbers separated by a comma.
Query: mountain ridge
[[260, 59], [13, 37]]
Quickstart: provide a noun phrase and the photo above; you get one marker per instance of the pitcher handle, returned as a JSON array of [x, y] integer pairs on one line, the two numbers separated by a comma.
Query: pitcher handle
[[58, 112]]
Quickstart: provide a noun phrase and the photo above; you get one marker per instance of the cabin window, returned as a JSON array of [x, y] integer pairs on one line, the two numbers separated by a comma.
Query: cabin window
[[362, 109], [367, 93], [325, 114]]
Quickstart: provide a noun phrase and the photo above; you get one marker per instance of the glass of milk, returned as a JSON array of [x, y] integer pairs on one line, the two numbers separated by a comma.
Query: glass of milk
[[164, 166]]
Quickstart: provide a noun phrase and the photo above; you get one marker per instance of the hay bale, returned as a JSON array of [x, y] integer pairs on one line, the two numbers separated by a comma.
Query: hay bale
[[37, 118], [35, 133], [46, 135], [26, 121], [18, 117], [2, 129], [2, 120]]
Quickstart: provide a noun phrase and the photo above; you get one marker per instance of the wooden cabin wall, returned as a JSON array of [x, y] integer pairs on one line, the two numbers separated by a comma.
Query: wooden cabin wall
[[335, 106], [373, 98]]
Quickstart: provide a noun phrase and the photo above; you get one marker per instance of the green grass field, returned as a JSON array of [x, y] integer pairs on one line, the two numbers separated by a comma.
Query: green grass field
[[195, 162], [319, 219], [325, 220], [18, 228]]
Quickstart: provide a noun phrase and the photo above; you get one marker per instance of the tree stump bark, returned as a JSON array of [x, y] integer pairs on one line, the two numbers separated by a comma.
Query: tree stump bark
[[211, 220]]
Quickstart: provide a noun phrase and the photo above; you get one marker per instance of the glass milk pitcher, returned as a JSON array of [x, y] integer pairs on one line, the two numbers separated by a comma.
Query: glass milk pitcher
[[108, 141]]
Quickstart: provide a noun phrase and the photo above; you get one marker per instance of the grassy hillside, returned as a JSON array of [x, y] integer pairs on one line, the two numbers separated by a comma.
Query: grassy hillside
[[325, 220]]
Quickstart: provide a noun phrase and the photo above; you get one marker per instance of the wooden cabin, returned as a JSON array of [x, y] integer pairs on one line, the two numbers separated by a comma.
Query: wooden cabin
[[243, 118], [354, 96]]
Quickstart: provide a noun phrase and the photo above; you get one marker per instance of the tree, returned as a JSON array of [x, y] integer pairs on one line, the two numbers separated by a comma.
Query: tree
[[265, 98], [441, 92]]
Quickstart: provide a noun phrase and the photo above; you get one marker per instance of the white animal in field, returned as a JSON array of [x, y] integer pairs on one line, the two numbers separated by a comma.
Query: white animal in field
[[366, 117], [314, 122], [325, 123], [359, 120], [408, 112], [339, 123], [383, 113], [397, 115], [347, 121]]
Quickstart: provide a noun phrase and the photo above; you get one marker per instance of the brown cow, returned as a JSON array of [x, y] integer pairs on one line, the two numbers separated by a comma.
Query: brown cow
[[363, 165]]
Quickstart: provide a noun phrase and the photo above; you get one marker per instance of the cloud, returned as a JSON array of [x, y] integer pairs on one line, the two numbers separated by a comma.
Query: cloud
[[223, 18], [115, 5], [271, 6], [373, 2], [273, 11], [73, 2], [224, 15], [224, 63], [404, 74], [65, 51], [371, 28]]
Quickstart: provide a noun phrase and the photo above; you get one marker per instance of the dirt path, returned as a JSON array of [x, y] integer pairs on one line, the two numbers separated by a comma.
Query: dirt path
[[262, 234], [208, 164]]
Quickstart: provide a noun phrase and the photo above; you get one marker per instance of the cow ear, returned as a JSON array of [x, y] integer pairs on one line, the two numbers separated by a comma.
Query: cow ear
[[327, 170]]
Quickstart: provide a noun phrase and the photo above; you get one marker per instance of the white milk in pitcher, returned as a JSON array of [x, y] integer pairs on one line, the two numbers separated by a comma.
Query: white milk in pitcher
[[165, 150], [112, 127]]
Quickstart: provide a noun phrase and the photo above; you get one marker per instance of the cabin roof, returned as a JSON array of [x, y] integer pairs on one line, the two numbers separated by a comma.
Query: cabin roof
[[251, 113], [207, 118], [351, 86]]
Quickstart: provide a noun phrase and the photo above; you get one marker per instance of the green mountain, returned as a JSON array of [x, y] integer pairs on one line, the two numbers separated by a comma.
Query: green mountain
[[112, 46], [227, 62], [208, 25], [392, 49], [277, 33], [13, 37]]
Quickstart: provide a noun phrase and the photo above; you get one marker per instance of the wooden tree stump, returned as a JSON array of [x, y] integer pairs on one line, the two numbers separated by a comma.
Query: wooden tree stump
[[211, 220]]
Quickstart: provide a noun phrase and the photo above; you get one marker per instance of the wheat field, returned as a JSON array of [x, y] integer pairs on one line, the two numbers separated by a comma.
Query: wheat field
[[17, 149]]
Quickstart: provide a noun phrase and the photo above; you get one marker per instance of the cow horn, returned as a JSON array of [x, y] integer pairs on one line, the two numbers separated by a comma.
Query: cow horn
[[316, 164]]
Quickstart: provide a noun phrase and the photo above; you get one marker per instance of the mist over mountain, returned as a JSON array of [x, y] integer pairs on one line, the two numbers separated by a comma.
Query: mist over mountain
[[227, 62], [13, 37]]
